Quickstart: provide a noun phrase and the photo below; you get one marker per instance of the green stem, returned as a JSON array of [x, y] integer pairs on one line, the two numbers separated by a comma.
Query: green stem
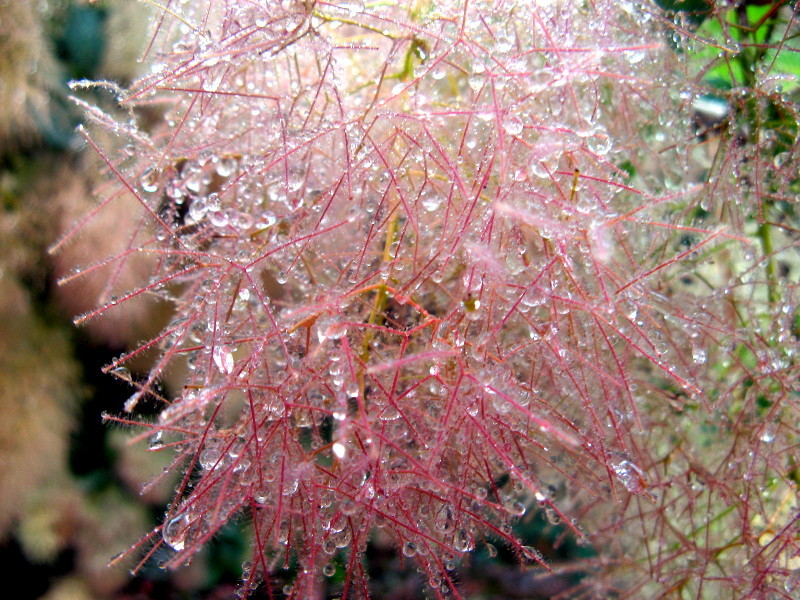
[[379, 307], [765, 237]]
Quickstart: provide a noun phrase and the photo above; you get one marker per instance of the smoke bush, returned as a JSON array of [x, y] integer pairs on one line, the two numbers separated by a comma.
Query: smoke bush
[[435, 266]]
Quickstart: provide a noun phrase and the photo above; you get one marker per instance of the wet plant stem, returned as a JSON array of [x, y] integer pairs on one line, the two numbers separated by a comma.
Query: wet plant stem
[[765, 238], [381, 296]]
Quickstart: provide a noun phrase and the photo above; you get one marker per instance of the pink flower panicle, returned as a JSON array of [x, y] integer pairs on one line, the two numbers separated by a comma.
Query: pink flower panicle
[[415, 292]]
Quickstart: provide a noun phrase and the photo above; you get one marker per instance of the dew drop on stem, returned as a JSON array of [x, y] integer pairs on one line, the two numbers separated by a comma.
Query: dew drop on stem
[[209, 457], [768, 433], [445, 519], [631, 476], [226, 166], [174, 533], [223, 358], [792, 582], [283, 532], [531, 553], [155, 441], [552, 516], [512, 125], [698, 355], [149, 180], [123, 373], [462, 541]]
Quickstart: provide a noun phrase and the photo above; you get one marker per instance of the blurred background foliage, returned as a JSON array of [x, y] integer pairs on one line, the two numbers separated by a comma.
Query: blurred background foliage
[[69, 484]]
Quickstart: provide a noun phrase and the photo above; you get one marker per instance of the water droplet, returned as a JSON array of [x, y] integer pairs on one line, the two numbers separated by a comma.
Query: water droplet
[[283, 532], [149, 180], [213, 203], [431, 202], [513, 125], [329, 570], [445, 519], [210, 457], [174, 532], [290, 487], [226, 166], [698, 355], [198, 210], [409, 549], [123, 373], [635, 57], [223, 358], [175, 191], [552, 516], [339, 450], [631, 476], [537, 169], [531, 553], [219, 218], [503, 44], [390, 413], [500, 404], [242, 221], [463, 541], [155, 441], [780, 159], [343, 538], [768, 434], [792, 583], [476, 81], [517, 509], [599, 144]]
